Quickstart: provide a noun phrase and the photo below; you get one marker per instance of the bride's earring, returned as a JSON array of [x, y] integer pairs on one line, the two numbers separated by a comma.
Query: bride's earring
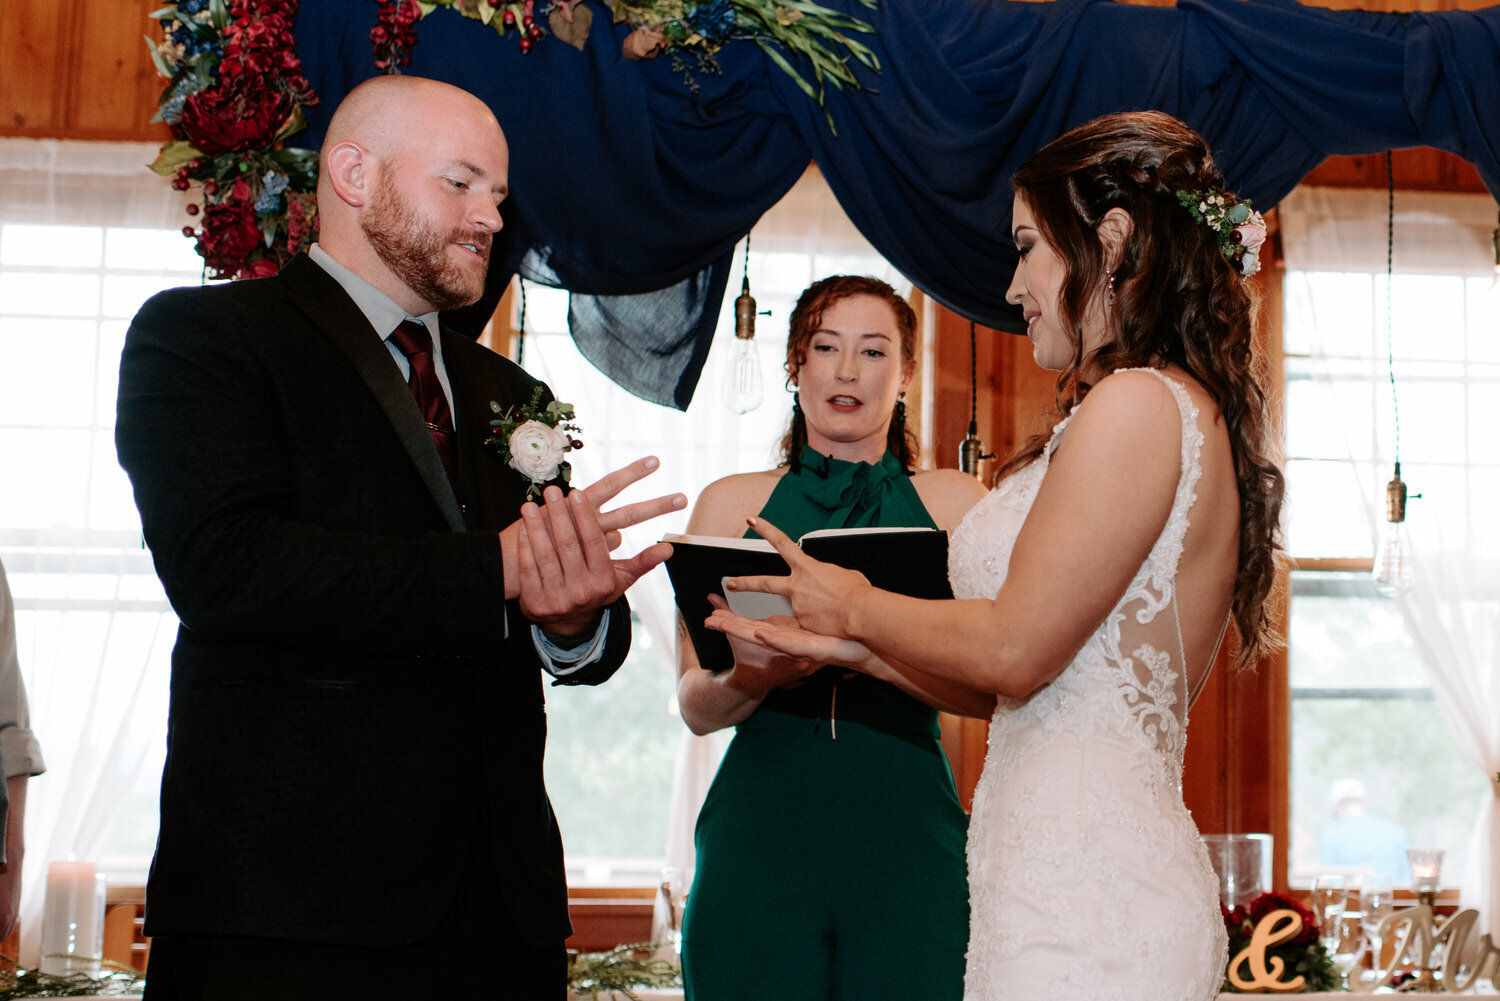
[[1109, 297]]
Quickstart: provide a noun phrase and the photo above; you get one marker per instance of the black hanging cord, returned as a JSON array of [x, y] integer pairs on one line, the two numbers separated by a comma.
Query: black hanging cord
[[971, 453], [1390, 255], [973, 384], [521, 325]]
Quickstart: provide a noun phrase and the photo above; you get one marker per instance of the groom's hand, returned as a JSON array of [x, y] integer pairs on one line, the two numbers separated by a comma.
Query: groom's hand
[[556, 557]]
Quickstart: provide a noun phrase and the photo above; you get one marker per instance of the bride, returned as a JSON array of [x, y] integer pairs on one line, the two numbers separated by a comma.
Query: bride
[[1095, 583]]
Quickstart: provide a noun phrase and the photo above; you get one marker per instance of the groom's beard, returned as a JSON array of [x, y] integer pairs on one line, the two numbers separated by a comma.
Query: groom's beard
[[417, 254]]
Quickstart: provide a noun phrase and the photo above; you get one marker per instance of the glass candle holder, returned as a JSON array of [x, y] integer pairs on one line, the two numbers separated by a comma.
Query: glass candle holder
[[73, 919], [1426, 871], [1243, 864]]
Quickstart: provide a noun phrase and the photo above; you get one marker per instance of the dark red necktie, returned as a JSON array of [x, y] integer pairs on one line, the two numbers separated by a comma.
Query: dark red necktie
[[416, 343]]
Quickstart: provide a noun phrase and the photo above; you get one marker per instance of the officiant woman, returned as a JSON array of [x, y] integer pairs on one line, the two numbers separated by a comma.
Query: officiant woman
[[830, 848]]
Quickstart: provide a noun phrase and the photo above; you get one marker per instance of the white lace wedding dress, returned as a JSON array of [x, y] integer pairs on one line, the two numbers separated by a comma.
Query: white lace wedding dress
[[1087, 879]]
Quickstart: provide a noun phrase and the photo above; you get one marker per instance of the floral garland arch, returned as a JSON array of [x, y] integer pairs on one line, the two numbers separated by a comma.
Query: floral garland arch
[[236, 92]]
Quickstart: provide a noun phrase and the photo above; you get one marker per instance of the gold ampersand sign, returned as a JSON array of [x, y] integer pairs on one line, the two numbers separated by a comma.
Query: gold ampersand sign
[[1265, 972]]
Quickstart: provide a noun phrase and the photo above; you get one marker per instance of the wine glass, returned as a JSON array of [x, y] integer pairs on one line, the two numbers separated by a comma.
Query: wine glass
[[1375, 896], [1330, 894], [1349, 945], [675, 883]]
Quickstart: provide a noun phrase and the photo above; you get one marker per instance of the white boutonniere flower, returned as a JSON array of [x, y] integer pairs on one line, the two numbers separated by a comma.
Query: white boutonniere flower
[[535, 440]]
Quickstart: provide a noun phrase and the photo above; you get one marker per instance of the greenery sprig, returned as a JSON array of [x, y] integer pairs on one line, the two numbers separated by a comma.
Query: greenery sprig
[[622, 969], [120, 981], [811, 30], [784, 29]]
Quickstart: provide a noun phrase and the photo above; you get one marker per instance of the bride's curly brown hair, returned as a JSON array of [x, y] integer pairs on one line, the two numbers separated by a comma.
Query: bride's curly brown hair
[[1178, 300]]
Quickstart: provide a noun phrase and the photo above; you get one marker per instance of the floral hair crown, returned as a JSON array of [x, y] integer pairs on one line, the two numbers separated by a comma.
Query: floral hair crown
[[1239, 228]]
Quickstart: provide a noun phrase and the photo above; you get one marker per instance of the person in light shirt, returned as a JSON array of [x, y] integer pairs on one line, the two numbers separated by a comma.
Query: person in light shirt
[[21, 755], [1358, 839]]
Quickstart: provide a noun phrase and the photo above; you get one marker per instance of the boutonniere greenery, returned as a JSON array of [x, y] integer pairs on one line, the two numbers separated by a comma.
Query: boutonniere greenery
[[535, 440]]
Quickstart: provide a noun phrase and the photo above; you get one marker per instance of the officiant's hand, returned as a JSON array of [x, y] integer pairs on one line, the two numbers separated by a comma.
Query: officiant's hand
[[781, 636], [758, 667], [821, 593]]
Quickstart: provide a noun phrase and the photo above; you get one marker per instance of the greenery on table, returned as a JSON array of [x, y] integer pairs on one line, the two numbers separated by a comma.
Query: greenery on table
[[118, 981], [621, 969]]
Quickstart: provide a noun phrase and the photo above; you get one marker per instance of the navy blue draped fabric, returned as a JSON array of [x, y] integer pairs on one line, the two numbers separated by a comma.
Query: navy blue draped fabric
[[631, 189]]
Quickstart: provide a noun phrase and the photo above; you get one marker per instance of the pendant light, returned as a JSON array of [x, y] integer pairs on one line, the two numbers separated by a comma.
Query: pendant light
[[971, 451], [744, 388], [1393, 570], [1495, 244]]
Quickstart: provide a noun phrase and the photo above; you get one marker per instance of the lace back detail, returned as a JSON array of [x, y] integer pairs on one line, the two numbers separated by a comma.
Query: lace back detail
[[1143, 646]]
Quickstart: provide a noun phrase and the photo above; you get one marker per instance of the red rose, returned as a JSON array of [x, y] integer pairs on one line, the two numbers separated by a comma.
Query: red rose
[[259, 269], [1268, 902], [230, 233], [233, 118]]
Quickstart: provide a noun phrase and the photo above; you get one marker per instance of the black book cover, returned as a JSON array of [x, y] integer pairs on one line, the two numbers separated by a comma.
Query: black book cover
[[911, 561]]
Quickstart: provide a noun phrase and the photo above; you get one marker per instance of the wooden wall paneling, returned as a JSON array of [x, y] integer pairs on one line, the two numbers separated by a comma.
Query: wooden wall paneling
[[1423, 169], [951, 394], [118, 94], [73, 72], [36, 74]]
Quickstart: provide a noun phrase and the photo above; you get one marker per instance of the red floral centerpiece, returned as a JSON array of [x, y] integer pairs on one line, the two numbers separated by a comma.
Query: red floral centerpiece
[[1302, 954]]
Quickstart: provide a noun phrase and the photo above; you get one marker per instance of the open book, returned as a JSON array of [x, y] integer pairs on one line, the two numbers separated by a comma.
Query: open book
[[912, 561]]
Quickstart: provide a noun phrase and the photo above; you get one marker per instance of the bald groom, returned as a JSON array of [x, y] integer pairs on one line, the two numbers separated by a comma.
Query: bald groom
[[352, 802]]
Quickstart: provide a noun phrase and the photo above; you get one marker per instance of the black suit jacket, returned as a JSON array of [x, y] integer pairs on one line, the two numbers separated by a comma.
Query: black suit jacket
[[346, 710]]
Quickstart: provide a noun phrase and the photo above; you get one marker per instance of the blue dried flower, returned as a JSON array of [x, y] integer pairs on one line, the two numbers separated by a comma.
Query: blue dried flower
[[271, 187], [714, 20], [171, 109]]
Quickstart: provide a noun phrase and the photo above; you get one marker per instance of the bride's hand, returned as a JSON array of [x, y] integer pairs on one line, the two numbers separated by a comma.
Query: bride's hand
[[784, 635], [820, 593]]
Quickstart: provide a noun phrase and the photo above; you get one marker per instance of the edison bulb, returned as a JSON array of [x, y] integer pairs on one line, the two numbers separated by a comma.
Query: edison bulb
[[743, 386], [1393, 572]]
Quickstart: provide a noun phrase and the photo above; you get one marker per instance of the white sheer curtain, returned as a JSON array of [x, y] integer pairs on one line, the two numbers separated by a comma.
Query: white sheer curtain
[[1446, 339], [86, 234], [803, 238]]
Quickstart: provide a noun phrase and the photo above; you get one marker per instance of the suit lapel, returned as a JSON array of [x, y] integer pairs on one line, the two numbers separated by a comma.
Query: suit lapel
[[478, 390], [331, 310]]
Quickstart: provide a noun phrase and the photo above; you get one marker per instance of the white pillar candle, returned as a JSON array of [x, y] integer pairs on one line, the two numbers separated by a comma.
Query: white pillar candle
[[73, 919]]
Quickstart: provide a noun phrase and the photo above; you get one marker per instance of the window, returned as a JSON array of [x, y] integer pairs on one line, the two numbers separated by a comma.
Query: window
[[1377, 763], [87, 235]]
